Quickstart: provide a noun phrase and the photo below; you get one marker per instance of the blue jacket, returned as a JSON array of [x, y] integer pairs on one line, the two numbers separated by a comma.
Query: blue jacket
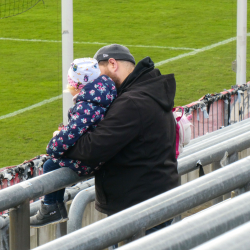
[[90, 107]]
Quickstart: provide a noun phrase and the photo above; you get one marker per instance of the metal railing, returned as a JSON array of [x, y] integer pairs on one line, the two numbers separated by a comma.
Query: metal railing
[[78, 207], [216, 137], [17, 197], [198, 228], [39, 186], [213, 153], [83, 198], [235, 239], [216, 132], [69, 195], [197, 152], [128, 223]]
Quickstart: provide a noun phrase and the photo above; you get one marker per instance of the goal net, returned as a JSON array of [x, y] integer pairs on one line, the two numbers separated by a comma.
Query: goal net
[[9, 8]]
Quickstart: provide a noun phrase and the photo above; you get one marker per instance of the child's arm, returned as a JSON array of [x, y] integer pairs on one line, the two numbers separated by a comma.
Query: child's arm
[[85, 116]]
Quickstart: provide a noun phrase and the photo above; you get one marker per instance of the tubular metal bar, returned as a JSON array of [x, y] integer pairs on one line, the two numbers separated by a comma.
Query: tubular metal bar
[[222, 136], [198, 228], [77, 209], [216, 132], [70, 193], [154, 211], [216, 166], [235, 239], [20, 227], [213, 153], [37, 187]]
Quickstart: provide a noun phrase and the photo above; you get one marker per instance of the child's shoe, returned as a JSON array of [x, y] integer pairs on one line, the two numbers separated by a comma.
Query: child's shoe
[[47, 214], [63, 211]]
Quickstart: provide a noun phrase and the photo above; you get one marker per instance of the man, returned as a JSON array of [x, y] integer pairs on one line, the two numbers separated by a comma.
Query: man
[[135, 143]]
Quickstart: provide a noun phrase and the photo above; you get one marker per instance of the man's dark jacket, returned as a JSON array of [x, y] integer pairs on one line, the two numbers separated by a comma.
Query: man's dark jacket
[[135, 143]]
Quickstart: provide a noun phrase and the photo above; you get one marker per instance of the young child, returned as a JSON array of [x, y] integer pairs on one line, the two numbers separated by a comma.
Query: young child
[[92, 96]]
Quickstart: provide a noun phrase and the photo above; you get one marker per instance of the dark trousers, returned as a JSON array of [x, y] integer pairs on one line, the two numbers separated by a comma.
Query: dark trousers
[[57, 196], [159, 227]]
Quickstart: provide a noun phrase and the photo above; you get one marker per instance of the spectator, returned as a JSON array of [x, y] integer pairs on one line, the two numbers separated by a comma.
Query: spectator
[[93, 95], [135, 143]]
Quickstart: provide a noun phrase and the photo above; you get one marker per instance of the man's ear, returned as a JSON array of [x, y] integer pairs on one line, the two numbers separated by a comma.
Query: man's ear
[[113, 65]]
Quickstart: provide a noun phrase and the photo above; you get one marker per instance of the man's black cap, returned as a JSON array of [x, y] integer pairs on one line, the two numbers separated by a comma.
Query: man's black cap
[[115, 51]]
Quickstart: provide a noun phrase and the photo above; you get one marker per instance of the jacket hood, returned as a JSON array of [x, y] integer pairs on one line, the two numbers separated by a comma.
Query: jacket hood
[[149, 81]]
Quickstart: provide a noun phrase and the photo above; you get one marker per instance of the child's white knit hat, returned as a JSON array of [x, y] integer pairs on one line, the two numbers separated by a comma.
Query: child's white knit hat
[[83, 71]]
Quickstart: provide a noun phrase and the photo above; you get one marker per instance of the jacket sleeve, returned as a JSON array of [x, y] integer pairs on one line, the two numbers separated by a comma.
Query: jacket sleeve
[[119, 127], [80, 122]]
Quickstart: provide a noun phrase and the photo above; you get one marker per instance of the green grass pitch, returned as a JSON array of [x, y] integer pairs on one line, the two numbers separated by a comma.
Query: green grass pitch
[[164, 29]]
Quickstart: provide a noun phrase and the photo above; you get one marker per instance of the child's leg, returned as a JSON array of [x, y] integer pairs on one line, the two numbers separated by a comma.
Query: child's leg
[[52, 198], [57, 196], [52, 209]]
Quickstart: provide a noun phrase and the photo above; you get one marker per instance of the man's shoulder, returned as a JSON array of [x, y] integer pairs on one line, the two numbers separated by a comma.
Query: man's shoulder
[[124, 101]]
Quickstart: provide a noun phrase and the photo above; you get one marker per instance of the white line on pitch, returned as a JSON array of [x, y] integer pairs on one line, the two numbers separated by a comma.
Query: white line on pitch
[[30, 107], [97, 43], [197, 51]]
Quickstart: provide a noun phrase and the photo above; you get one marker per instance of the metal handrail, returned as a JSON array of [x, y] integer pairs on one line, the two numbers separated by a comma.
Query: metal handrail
[[199, 228], [37, 187], [77, 209], [70, 194], [213, 153], [221, 135], [219, 131], [154, 211], [17, 197], [235, 239]]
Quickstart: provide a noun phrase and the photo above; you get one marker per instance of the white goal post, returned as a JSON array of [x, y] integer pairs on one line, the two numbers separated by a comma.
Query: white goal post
[[241, 42], [67, 53]]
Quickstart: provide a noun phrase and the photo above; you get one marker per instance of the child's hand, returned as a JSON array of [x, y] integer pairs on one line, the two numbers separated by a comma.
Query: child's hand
[[56, 133]]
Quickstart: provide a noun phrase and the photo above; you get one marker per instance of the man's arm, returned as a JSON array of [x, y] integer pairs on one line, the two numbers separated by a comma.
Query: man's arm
[[120, 126]]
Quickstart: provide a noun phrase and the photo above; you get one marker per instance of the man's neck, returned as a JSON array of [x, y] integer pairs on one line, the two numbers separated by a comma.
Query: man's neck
[[124, 76]]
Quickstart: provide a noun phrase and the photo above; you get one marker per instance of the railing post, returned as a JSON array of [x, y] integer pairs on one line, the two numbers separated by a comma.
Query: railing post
[[228, 159], [62, 229], [20, 226], [215, 166], [77, 208]]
